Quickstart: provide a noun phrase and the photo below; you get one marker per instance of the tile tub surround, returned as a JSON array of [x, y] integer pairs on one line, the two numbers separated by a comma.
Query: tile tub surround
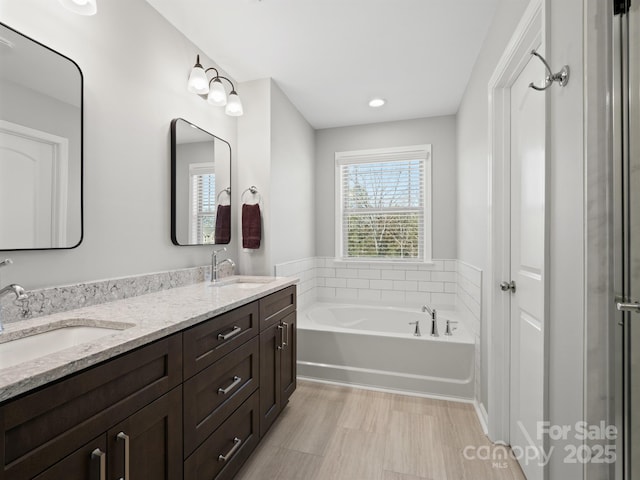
[[412, 285], [153, 316], [469, 306], [47, 301]]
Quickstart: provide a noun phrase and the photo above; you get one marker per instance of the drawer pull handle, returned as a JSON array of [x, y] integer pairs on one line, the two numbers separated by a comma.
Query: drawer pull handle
[[123, 436], [97, 453], [232, 333], [281, 328], [284, 344], [224, 391], [236, 446]]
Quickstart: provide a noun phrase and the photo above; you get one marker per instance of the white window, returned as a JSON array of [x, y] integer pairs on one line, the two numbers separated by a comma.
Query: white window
[[202, 218], [383, 204]]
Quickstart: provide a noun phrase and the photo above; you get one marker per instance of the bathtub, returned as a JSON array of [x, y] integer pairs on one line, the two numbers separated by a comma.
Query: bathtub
[[375, 347]]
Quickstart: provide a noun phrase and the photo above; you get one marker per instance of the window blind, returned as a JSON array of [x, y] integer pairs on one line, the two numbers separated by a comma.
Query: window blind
[[203, 207], [382, 206]]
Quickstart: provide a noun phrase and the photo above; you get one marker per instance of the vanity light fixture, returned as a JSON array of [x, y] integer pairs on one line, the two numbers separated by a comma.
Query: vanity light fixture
[[377, 102], [81, 7], [200, 84]]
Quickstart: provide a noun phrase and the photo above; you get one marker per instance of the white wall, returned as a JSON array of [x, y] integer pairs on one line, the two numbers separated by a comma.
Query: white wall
[[135, 67], [292, 181], [472, 155], [440, 132], [276, 154]]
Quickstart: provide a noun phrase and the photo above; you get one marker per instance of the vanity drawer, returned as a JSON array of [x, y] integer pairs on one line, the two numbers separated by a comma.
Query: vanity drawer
[[276, 306], [235, 439], [211, 340], [43, 427], [214, 393]]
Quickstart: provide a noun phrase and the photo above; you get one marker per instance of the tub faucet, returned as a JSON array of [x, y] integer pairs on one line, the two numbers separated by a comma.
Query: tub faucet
[[215, 265], [417, 331], [434, 320]]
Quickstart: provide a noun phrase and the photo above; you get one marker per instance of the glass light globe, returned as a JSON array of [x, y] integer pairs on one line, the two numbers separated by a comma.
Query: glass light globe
[[217, 94], [234, 105]]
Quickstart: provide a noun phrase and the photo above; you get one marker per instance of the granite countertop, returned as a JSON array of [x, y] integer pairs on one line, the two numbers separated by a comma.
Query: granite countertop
[[146, 318]]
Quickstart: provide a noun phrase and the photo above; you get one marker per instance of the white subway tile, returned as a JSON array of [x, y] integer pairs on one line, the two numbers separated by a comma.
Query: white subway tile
[[404, 266], [374, 274], [357, 283], [443, 276], [407, 286], [321, 282], [392, 275], [326, 272], [356, 265], [450, 287], [392, 296], [384, 266], [450, 265], [417, 299], [418, 275], [343, 273], [347, 293], [445, 300], [325, 292], [367, 294], [381, 284], [336, 282], [438, 265], [431, 287]]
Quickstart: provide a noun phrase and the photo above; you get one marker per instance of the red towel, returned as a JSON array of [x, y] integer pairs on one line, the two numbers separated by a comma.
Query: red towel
[[223, 224], [251, 226]]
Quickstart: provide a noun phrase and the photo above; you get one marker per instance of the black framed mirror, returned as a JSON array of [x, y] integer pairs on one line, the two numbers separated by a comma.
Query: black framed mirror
[[41, 152], [200, 186]]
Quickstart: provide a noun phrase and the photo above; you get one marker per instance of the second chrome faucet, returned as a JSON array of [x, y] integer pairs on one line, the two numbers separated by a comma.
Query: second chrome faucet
[[215, 265]]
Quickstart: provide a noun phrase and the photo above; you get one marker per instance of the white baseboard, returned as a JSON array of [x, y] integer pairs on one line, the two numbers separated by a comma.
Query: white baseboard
[[483, 417]]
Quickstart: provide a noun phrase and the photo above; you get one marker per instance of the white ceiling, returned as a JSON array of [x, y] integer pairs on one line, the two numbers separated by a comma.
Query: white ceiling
[[330, 57]]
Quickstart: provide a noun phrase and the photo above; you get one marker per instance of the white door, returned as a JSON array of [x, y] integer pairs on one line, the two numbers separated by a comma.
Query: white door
[[527, 266], [26, 182]]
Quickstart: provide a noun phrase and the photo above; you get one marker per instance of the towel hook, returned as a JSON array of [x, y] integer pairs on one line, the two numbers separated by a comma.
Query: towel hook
[[562, 77]]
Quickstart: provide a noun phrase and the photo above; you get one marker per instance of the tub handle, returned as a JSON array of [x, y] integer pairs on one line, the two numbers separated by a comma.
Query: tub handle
[[284, 344], [281, 328]]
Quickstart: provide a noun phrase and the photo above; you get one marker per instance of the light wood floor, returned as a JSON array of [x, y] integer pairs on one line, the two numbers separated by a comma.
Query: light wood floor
[[330, 432]]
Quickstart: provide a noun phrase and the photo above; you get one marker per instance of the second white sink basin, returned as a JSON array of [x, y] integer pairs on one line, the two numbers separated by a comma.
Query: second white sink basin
[[34, 345], [246, 283]]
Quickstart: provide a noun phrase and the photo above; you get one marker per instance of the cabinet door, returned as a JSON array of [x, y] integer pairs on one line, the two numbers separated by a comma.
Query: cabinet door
[[288, 362], [81, 464], [150, 441], [270, 371]]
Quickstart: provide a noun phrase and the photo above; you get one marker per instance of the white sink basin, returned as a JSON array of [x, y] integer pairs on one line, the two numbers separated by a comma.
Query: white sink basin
[[246, 283], [41, 343]]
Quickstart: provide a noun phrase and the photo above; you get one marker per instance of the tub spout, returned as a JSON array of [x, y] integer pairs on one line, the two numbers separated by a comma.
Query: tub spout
[[434, 320]]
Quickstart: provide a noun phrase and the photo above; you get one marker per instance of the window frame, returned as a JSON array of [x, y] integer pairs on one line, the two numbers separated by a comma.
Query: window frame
[[198, 169], [412, 152]]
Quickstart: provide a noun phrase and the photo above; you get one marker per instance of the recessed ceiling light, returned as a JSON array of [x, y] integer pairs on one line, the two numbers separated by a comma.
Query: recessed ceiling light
[[377, 102]]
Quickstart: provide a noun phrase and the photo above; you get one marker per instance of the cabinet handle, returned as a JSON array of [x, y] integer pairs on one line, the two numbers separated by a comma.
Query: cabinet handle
[[224, 391], [125, 437], [236, 446], [281, 328], [97, 453], [284, 344], [232, 333]]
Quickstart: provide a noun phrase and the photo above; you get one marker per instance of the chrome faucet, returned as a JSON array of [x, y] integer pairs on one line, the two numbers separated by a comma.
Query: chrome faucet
[[448, 330], [215, 265], [434, 320], [17, 290]]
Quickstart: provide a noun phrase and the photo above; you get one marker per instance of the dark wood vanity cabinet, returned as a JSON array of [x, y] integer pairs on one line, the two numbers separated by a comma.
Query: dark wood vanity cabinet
[[193, 405], [69, 425], [277, 358]]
